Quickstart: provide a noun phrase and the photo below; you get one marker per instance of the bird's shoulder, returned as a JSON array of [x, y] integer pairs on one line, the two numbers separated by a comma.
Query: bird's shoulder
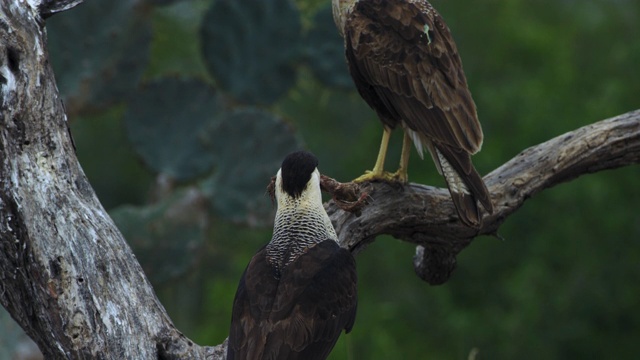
[[320, 282], [309, 304], [324, 266], [316, 301], [378, 27], [405, 64]]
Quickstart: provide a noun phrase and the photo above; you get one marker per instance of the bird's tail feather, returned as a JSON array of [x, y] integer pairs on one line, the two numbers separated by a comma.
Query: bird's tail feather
[[464, 182]]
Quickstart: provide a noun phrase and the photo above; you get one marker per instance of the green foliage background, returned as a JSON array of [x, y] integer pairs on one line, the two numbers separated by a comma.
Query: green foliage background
[[182, 110]]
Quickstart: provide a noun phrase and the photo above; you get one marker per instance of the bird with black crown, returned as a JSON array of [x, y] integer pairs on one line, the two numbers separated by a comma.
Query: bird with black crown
[[299, 292]]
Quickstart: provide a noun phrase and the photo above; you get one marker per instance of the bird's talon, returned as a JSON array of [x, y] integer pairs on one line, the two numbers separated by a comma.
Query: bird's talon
[[401, 176], [375, 176]]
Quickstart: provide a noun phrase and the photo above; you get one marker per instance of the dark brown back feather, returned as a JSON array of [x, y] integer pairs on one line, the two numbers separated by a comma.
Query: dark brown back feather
[[406, 66], [391, 58], [301, 314]]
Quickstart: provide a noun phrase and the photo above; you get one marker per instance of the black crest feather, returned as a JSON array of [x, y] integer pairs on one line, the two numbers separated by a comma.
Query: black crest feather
[[296, 171]]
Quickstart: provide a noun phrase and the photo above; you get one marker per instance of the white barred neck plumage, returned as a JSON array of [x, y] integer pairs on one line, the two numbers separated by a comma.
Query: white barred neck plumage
[[301, 221]]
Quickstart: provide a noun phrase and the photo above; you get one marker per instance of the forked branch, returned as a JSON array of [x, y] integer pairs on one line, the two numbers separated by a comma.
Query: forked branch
[[425, 215]]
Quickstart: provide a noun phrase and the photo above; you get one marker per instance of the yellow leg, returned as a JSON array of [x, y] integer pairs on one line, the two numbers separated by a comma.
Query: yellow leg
[[378, 170], [402, 175]]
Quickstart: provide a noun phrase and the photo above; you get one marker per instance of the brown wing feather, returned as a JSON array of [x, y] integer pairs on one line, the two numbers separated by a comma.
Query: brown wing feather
[[415, 75], [254, 298], [300, 315], [406, 67]]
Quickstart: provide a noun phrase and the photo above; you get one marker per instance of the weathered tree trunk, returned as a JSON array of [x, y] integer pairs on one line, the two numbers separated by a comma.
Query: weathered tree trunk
[[68, 277], [73, 284]]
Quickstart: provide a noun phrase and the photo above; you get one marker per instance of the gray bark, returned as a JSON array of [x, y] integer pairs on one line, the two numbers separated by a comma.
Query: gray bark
[[71, 281], [425, 215], [67, 276]]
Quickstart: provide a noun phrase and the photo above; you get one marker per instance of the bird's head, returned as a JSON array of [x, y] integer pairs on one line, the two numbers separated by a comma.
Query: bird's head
[[341, 10], [298, 178]]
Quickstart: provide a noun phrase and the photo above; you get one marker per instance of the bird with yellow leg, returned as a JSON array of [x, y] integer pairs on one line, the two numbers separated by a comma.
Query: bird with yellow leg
[[406, 66]]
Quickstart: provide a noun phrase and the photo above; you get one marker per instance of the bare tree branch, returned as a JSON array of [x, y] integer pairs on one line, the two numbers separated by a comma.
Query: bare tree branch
[[425, 216], [52, 7]]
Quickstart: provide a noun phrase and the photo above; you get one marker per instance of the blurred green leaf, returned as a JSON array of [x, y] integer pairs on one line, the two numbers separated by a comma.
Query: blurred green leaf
[[249, 145], [175, 48], [167, 236], [166, 123], [324, 51], [99, 52], [106, 155], [251, 46]]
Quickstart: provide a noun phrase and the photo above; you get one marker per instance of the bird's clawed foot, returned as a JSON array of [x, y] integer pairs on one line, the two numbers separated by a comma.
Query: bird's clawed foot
[[370, 176], [399, 176]]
